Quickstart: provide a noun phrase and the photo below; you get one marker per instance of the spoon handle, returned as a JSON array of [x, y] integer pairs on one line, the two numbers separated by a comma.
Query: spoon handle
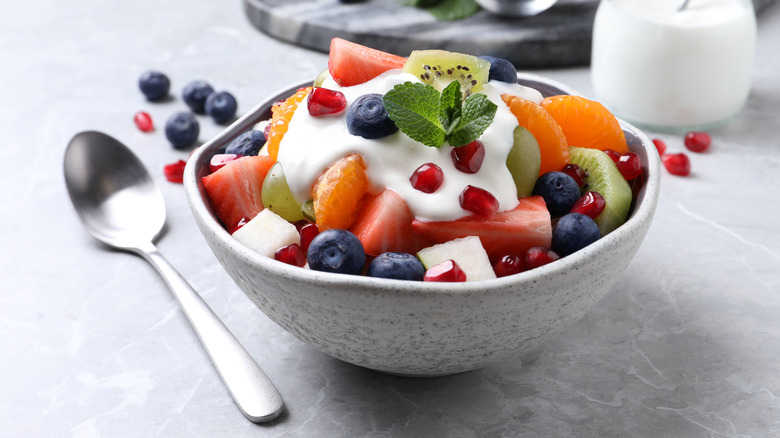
[[251, 389]]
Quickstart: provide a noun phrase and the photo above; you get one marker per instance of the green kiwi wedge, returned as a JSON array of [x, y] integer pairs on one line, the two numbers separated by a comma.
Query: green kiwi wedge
[[524, 161], [278, 197], [605, 178], [439, 68]]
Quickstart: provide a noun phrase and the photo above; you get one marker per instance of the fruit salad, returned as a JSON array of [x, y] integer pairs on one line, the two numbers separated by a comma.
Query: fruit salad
[[438, 166]]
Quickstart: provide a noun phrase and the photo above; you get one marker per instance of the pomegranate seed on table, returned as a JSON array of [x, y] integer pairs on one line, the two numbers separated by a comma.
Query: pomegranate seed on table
[[478, 201], [143, 121], [291, 254], [308, 232], [427, 178], [613, 154], [446, 271], [677, 164], [322, 101], [576, 172], [468, 158], [539, 256], [660, 145], [509, 265], [697, 141], [590, 204], [174, 172], [630, 165], [218, 161]]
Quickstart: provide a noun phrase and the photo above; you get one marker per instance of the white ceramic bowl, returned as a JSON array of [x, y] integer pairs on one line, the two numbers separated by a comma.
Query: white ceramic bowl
[[425, 329]]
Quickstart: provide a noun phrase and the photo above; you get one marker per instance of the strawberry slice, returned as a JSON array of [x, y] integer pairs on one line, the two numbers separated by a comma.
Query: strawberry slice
[[234, 190], [351, 64], [506, 232], [385, 224]]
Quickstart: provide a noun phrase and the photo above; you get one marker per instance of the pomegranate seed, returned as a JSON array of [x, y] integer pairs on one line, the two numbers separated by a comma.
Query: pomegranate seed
[[539, 256], [677, 164], [590, 204], [509, 265], [143, 121], [291, 254], [174, 172], [478, 201], [660, 145], [612, 154], [218, 161], [468, 158], [446, 271], [308, 232], [576, 172], [427, 178], [697, 141], [322, 101], [630, 165]]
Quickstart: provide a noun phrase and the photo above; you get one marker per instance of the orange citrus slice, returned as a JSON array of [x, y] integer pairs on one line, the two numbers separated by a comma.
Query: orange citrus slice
[[553, 147], [586, 123], [280, 120], [338, 191]]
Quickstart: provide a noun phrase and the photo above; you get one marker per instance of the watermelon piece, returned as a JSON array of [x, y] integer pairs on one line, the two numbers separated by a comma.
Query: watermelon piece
[[234, 191], [351, 64], [506, 232], [385, 224]]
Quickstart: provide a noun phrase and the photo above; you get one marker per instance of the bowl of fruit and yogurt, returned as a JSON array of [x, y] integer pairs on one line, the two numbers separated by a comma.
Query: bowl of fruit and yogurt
[[424, 215]]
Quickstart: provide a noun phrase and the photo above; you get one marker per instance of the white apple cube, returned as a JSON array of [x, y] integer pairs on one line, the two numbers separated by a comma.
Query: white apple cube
[[267, 232], [467, 252]]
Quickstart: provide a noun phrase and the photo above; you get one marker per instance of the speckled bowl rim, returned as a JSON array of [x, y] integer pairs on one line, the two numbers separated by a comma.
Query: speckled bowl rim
[[644, 209]]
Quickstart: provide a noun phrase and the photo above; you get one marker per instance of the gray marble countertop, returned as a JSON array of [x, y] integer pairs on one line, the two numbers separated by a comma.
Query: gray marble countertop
[[686, 344]]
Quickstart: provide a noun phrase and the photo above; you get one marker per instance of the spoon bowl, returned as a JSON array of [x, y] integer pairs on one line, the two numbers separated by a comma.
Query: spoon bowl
[[120, 205]]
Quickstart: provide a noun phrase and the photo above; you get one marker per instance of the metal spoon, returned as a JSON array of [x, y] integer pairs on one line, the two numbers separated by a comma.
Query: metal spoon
[[121, 206], [516, 8]]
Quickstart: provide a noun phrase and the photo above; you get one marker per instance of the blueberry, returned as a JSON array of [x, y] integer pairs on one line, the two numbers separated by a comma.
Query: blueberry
[[574, 232], [248, 143], [154, 85], [182, 130], [336, 250], [501, 69], [368, 118], [398, 266], [559, 190], [195, 94], [221, 106]]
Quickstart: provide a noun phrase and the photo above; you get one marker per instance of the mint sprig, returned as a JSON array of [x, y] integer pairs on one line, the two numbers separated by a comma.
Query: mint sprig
[[432, 118]]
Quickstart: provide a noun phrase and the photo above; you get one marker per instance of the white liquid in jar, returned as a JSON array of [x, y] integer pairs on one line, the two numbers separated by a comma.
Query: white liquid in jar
[[673, 70], [312, 144]]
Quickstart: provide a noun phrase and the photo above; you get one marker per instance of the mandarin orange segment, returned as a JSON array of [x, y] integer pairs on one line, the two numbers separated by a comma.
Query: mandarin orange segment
[[280, 120], [586, 123], [338, 191], [553, 147]]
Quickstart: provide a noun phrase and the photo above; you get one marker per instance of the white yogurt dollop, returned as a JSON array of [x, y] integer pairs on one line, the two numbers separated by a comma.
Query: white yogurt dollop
[[312, 144]]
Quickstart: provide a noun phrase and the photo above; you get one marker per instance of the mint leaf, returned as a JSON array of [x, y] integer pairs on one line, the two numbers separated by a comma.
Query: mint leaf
[[450, 106], [415, 108], [477, 114], [448, 10]]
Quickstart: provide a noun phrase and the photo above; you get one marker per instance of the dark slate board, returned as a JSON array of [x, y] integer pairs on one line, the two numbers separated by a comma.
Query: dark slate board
[[558, 37]]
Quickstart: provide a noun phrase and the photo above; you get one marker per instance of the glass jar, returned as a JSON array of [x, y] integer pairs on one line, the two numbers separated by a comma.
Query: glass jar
[[673, 70]]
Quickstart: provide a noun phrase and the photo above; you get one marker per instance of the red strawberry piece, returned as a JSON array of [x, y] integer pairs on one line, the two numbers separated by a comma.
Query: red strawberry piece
[[697, 141], [174, 172], [677, 164], [384, 224], [351, 64], [506, 232], [322, 101], [234, 191], [468, 158], [478, 201], [539, 256], [446, 271]]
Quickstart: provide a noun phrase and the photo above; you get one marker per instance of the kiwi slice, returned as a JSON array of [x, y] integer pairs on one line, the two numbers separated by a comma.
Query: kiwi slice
[[307, 210], [439, 68], [523, 161], [605, 178]]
